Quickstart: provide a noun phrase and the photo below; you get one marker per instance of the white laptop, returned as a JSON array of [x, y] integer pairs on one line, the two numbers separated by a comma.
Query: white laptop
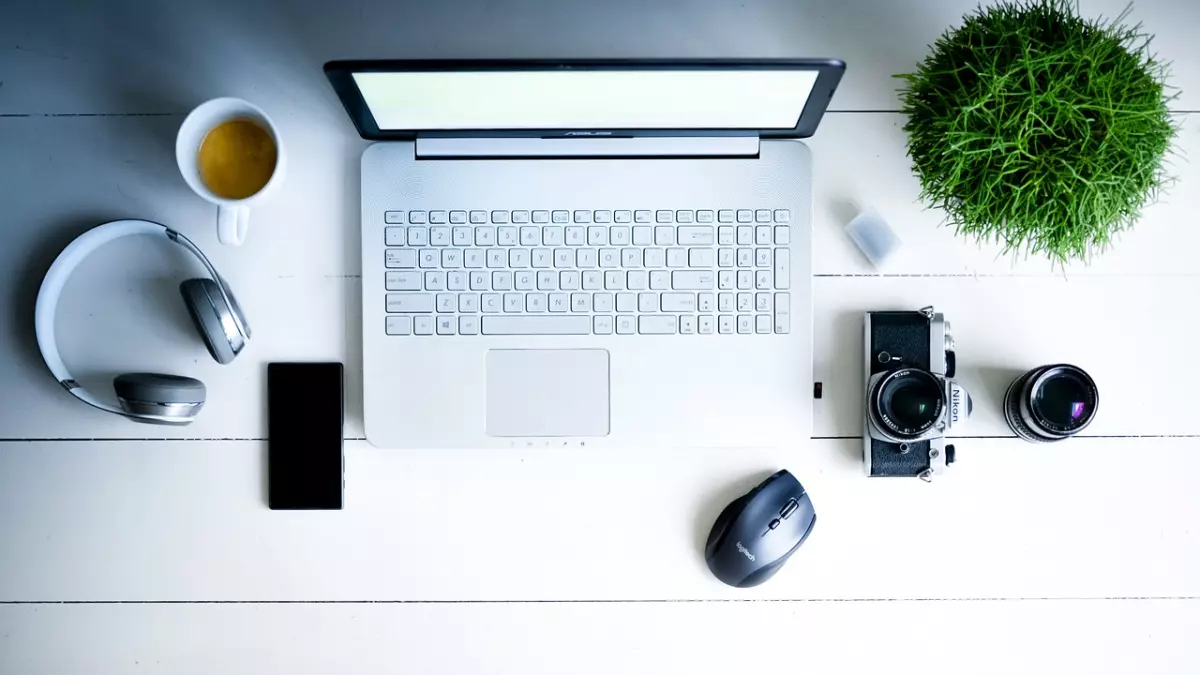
[[579, 254]]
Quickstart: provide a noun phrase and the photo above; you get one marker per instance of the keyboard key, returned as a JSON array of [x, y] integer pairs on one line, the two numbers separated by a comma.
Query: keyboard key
[[762, 324], [687, 324], [445, 325], [783, 236], [506, 236], [496, 257], [655, 257], [456, 281], [418, 236], [479, 281], [745, 279], [531, 235], [576, 236], [762, 235], [725, 324], [559, 302], [626, 302], [402, 281], [520, 217], [560, 217], [393, 217], [762, 216], [468, 302], [656, 325], [399, 257], [664, 216], [619, 235], [783, 313], [745, 235], [478, 217], [552, 236], [446, 302], [564, 257], [581, 302], [678, 302], [631, 257], [685, 217], [585, 257], [614, 281], [536, 325], [725, 257], [499, 216], [428, 257], [705, 302], [582, 216], [783, 269], [610, 257], [399, 325], [541, 216], [725, 302], [664, 236], [704, 216], [438, 217], [597, 236], [393, 236], [783, 216], [602, 325], [692, 281], [602, 302], [625, 325], [762, 302], [677, 257], [745, 257], [725, 215], [637, 280], [762, 257], [725, 235], [745, 216], [745, 302], [706, 325], [435, 281], [468, 325], [726, 280], [422, 325], [514, 302], [660, 281], [641, 216], [518, 258], [461, 236], [602, 216], [451, 258], [535, 302], [762, 280], [409, 303], [700, 257], [417, 217], [642, 236], [547, 281], [491, 303], [485, 236], [568, 281], [458, 217], [439, 236], [622, 216], [542, 258], [501, 281], [745, 324], [524, 281], [593, 280], [473, 258], [695, 236]]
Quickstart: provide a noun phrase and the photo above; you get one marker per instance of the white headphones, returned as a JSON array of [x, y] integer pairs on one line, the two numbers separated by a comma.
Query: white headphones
[[152, 398]]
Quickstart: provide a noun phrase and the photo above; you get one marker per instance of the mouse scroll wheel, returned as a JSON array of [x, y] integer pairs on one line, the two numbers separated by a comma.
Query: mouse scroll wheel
[[789, 508]]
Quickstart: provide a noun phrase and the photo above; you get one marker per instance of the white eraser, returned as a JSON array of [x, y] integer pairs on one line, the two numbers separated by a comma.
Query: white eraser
[[875, 238]]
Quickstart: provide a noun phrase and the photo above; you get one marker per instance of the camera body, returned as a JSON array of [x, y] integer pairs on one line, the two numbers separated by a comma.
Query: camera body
[[911, 397]]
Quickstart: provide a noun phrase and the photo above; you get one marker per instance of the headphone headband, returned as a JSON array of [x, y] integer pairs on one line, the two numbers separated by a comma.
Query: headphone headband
[[56, 279]]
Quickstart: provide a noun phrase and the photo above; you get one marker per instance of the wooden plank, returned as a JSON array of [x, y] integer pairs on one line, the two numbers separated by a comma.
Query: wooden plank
[[186, 521], [139, 57], [1146, 637]]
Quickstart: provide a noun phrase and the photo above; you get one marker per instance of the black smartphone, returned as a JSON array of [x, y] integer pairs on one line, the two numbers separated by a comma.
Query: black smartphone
[[304, 443]]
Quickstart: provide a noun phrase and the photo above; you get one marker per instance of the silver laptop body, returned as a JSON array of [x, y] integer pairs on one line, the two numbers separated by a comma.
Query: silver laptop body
[[586, 281]]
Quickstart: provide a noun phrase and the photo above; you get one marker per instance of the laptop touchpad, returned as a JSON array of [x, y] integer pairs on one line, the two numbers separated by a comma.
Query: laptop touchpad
[[547, 392]]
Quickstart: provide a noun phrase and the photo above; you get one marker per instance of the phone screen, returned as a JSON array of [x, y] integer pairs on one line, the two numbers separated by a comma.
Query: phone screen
[[305, 435]]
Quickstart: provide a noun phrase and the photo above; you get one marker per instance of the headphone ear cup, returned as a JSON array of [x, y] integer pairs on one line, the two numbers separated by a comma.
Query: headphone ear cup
[[158, 394], [211, 315]]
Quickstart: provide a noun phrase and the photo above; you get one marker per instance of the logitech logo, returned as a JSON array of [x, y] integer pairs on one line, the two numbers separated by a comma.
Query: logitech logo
[[745, 551]]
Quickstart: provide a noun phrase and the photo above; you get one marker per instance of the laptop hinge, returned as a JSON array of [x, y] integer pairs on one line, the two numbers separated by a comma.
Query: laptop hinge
[[635, 146]]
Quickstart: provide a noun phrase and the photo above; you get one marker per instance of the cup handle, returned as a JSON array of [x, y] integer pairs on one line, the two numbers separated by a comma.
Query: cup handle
[[232, 222]]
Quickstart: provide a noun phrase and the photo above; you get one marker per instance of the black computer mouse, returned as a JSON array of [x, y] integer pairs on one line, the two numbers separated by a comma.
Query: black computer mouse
[[759, 531]]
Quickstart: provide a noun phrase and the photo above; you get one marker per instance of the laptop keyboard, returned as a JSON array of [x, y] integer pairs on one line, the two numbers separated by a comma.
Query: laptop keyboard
[[593, 272]]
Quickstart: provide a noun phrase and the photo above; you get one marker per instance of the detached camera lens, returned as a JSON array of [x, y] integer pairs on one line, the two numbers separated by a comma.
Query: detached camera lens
[[907, 402], [1051, 403]]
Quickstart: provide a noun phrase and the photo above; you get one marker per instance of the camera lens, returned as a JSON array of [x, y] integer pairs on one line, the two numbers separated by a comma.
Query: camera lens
[[908, 402], [1051, 403]]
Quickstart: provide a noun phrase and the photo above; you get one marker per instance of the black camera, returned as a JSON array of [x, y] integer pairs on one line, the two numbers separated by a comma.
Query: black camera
[[911, 398]]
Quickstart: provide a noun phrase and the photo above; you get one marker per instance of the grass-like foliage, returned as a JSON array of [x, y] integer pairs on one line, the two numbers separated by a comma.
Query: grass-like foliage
[[1039, 129]]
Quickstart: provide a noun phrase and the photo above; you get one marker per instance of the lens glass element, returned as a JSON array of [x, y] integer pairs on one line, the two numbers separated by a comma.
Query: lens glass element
[[910, 401], [1064, 400]]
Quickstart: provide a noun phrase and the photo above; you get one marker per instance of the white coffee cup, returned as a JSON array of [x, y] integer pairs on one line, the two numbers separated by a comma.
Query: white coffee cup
[[233, 215]]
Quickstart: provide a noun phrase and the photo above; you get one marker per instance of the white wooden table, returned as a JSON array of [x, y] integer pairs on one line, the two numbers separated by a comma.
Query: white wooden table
[[129, 548]]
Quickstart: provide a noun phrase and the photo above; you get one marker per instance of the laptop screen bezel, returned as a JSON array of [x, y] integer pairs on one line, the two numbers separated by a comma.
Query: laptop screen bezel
[[341, 76]]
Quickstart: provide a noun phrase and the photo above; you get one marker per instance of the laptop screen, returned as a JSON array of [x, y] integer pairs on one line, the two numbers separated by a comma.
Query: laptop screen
[[700, 99]]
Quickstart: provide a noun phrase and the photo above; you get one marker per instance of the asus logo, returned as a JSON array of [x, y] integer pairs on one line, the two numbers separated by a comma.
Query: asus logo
[[588, 133], [745, 551]]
